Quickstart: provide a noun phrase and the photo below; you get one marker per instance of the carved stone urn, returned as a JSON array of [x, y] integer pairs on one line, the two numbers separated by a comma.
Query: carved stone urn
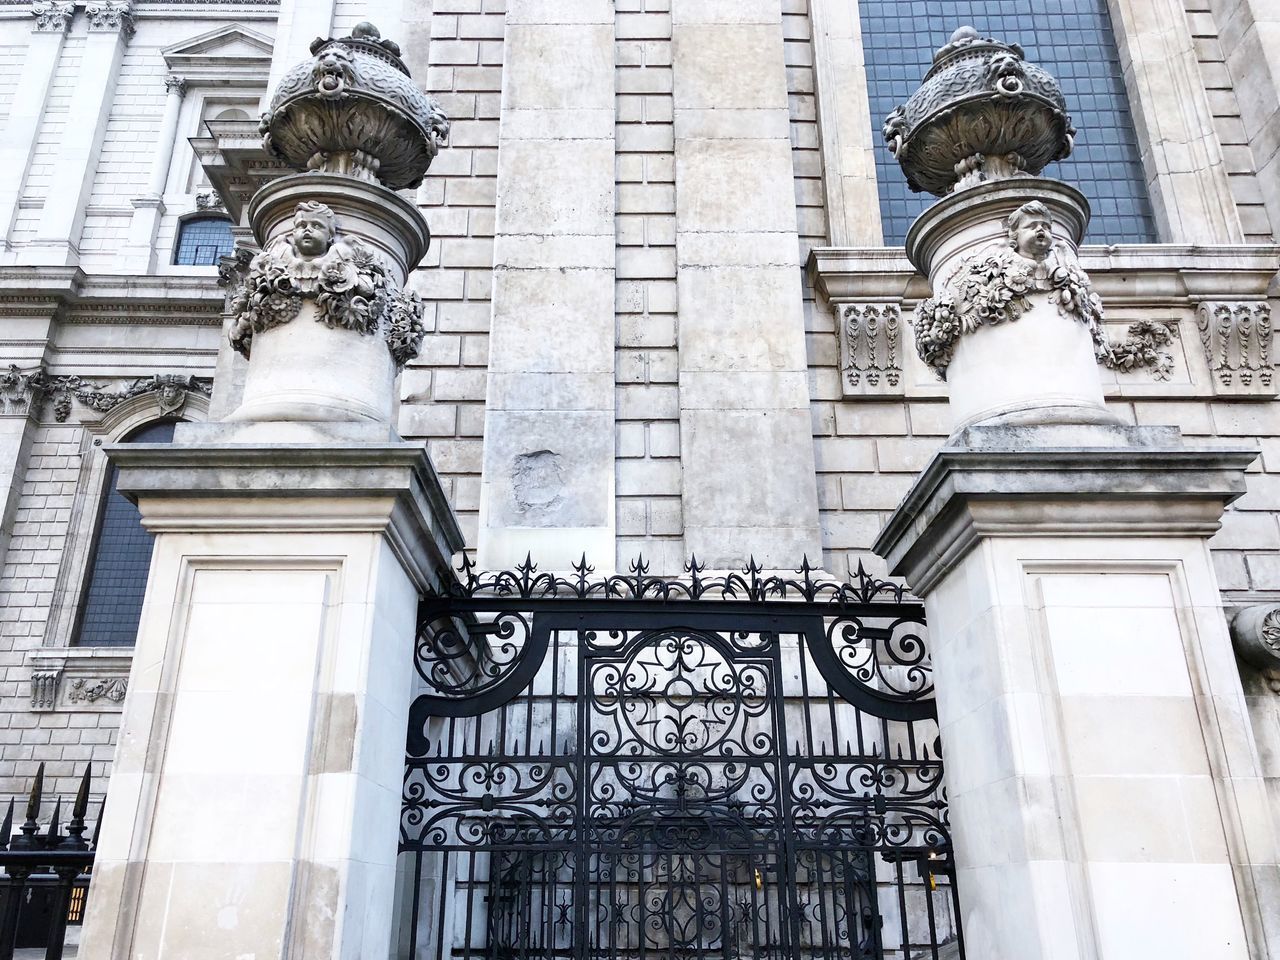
[[323, 315], [1013, 324]]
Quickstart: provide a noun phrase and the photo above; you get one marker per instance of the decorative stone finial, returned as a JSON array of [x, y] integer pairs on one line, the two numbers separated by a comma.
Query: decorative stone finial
[[352, 109], [347, 279], [981, 113]]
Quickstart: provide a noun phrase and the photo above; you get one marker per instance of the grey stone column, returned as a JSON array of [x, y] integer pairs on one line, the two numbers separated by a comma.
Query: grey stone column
[[547, 486], [746, 442]]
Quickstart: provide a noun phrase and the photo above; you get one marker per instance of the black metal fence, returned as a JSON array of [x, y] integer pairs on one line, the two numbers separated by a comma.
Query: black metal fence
[[712, 767], [46, 873]]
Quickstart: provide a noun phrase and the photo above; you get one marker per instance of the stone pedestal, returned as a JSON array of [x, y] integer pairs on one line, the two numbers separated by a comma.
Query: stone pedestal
[[256, 789], [1106, 794]]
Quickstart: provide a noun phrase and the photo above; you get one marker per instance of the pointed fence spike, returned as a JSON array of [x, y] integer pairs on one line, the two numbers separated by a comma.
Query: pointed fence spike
[[37, 788], [81, 805], [97, 827], [52, 833], [6, 828]]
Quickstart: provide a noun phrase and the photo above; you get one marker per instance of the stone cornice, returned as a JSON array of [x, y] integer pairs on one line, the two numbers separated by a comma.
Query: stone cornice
[[77, 297], [1169, 271], [320, 487], [1057, 481]]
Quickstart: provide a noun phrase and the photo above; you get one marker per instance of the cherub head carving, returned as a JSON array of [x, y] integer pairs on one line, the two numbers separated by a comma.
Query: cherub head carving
[[1030, 230], [314, 229]]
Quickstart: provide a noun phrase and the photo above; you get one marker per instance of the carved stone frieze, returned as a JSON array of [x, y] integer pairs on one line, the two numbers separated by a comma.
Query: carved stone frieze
[[85, 690], [53, 16], [110, 15], [1237, 339], [870, 349], [208, 200], [353, 109], [982, 113], [346, 278], [20, 391], [1143, 347]]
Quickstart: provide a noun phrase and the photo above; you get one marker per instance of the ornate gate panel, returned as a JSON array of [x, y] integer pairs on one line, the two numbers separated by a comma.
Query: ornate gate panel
[[740, 766]]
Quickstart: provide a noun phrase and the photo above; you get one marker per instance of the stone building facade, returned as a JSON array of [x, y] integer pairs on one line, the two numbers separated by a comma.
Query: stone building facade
[[663, 318]]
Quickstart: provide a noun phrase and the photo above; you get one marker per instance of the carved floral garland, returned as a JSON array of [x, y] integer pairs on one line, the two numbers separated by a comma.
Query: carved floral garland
[[350, 286], [992, 288]]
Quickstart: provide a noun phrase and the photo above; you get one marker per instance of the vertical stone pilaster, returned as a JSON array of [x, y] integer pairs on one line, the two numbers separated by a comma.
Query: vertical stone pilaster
[[21, 393], [30, 97], [1186, 173], [548, 474], [745, 431], [58, 233], [848, 156], [149, 208]]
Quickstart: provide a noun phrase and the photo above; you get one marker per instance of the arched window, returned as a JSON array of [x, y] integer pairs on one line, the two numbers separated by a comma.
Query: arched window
[[118, 564], [1073, 40], [203, 241]]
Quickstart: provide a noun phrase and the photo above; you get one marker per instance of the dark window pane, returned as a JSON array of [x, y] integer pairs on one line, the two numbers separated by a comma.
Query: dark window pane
[[202, 241], [112, 602], [1072, 39]]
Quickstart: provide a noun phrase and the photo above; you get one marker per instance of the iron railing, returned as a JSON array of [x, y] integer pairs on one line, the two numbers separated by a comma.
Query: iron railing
[[46, 874], [631, 767]]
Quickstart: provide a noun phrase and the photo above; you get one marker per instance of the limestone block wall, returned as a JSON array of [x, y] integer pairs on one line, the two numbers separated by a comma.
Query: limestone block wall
[[650, 518], [443, 391]]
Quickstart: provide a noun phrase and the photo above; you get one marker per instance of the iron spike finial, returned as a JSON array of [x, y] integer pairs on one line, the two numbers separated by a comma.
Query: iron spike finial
[[37, 788], [51, 835], [6, 828], [75, 829]]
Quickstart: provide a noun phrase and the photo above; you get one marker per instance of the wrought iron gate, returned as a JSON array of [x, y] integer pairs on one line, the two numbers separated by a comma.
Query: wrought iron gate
[[633, 767]]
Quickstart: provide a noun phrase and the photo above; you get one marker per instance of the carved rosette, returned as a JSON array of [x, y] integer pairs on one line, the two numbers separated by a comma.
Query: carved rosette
[[348, 281], [1255, 633], [982, 113], [1237, 344], [53, 16], [353, 109]]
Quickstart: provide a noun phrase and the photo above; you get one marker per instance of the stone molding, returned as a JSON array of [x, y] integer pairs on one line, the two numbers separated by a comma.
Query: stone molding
[[389, 488], [1163, 284], [72, 296], [53, 16], [79, 679], [1052, 481]]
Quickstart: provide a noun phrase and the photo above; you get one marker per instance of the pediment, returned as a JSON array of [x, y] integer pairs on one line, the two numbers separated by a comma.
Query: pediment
[[230, 52]]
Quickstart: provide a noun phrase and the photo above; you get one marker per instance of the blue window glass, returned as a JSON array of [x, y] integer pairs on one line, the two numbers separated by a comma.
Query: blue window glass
[[1073, 40], [112, 603], [202, 241]]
